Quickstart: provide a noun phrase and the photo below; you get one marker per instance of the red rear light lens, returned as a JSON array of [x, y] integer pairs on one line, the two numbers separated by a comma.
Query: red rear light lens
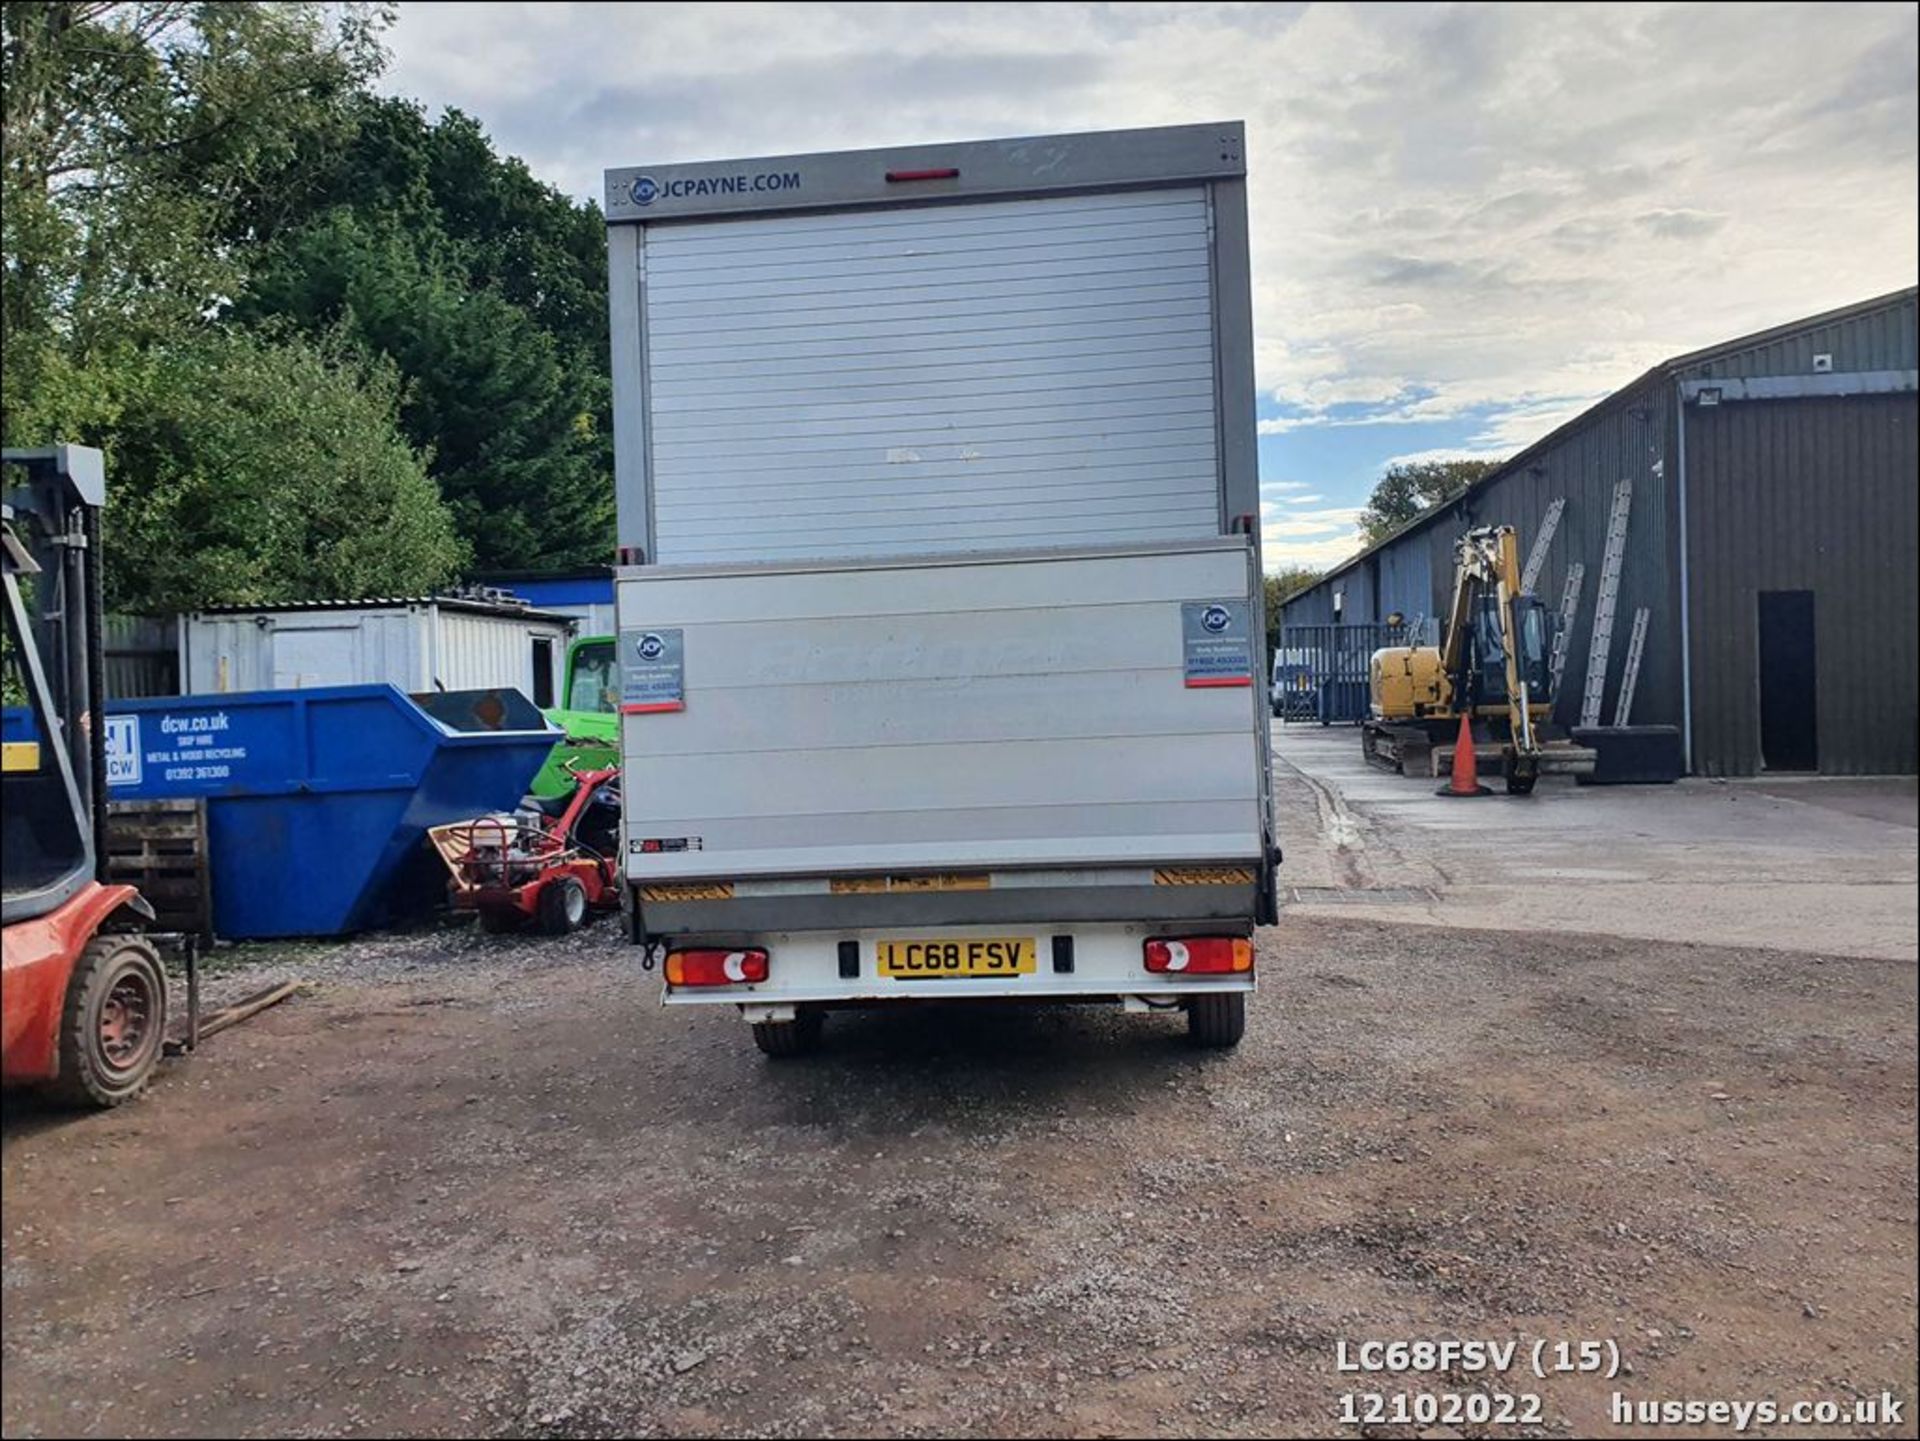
[[1200, 955], [715, 968], [943, 172]]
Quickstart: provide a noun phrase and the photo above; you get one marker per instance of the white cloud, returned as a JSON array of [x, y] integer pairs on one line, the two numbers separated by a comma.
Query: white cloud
[[1266, 485], [1278, 552], [1319, 538], [1301, 523], [1302, 499], [1499, 210], [1445, 452]]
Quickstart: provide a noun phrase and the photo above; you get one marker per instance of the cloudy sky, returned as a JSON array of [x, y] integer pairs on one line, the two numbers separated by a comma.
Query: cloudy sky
[[1468, 221]]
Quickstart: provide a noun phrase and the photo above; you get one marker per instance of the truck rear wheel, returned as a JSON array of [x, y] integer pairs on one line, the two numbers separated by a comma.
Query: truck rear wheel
[[1217, 1021], [112, 1024], [789, 1038]]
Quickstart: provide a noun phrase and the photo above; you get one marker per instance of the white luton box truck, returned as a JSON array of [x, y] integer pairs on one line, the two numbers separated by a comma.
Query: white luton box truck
[[940, 615]]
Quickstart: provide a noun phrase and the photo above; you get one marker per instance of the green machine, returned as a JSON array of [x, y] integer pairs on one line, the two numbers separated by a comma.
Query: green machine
[[589, 713]]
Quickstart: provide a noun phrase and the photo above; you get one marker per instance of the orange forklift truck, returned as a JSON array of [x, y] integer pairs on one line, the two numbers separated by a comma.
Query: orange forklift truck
[[83, 1004]]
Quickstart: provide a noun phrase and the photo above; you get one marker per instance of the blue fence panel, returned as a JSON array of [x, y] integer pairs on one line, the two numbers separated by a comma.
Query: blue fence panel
[[1336, 662]]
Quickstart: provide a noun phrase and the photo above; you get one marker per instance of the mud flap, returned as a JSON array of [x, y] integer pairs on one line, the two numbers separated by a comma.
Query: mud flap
[[1267, 903]]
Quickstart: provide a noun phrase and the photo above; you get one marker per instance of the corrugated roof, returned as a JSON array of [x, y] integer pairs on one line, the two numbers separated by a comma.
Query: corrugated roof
[[1776, 332], [1553, 437], [517, 610]]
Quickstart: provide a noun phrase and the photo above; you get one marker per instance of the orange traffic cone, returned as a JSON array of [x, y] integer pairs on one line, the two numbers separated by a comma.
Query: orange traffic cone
[[1466, 768]]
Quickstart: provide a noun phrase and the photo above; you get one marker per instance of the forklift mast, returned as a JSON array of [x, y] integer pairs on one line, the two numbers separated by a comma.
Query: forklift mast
[[56, 806]]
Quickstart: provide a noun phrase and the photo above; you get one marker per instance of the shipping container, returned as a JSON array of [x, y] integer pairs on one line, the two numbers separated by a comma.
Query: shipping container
[[416, 644]]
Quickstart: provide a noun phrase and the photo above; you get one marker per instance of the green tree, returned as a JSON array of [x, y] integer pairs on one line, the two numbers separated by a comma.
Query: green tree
[[131, 131], [187, 187], [268, 470], [141, 142], [1407, 489], [487, 290], [511, 420]]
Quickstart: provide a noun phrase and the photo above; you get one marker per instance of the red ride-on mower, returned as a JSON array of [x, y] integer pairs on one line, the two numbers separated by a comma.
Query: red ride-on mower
[[551, 867]]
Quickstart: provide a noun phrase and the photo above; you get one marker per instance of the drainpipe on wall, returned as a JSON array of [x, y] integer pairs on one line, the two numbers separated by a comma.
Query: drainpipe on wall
[[1686, 595]]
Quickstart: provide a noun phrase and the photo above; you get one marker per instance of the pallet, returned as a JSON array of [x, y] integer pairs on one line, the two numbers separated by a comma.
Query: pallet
[[160, 847]]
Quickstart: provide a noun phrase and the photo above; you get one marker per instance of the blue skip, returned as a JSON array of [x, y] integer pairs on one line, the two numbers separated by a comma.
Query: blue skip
[[319, 801]]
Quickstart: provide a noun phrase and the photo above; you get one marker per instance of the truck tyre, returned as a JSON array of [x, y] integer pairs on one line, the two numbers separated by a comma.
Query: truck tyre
[[112, 1024], [789, 1038], [1217, 1021], [562, 906]]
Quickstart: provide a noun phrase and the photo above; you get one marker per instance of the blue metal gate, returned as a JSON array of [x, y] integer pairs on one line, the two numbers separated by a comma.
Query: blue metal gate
[[1326, 669]]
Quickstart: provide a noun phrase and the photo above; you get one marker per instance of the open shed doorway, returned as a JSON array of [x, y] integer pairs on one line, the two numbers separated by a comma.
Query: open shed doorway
[[1789, 731]]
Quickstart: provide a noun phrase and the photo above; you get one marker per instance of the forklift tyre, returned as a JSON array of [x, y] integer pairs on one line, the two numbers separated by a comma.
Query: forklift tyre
[[113, 1023], [1217, 1021], [562, 906], [789, 1038]]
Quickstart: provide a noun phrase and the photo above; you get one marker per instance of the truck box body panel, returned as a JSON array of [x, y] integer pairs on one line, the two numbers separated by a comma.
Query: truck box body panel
[[936, 473], [853, 383], [1000, 345], [1025, 710]]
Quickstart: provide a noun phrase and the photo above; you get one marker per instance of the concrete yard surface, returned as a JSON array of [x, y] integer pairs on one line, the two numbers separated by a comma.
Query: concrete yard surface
[[1796, 863], [486, 1185]]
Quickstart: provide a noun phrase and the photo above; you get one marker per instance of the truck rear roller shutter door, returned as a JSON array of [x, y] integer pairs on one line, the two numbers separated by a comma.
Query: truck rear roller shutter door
[[932, 379]]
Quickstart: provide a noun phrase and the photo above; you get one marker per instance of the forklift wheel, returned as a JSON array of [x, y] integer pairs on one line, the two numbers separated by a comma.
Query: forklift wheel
[[562, 906], [113, 1022]]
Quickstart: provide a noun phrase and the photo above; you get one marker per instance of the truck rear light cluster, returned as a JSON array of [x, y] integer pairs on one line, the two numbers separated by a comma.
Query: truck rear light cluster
[[1200, 955], [715, 967]]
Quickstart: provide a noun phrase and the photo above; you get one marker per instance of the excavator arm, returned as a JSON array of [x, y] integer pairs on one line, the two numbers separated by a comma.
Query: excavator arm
[[1507, 593], [1487, 565]]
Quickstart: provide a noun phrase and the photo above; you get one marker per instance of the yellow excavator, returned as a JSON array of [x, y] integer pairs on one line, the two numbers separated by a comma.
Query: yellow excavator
[[1493, 666]]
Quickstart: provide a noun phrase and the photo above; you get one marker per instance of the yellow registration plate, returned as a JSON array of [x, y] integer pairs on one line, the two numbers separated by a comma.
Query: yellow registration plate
[[932, 960]]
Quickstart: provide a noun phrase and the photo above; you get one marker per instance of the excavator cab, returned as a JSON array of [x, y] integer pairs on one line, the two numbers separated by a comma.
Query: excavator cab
[[1533, 626]]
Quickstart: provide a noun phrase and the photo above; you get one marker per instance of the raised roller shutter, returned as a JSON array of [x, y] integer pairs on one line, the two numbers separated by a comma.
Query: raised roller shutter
[[944, 378]]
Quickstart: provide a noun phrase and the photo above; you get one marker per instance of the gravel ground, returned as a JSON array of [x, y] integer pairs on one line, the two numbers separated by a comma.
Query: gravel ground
[[483, 1185]]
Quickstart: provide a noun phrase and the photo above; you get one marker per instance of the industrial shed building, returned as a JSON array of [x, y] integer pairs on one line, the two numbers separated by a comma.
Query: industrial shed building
[[1771, 536]]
